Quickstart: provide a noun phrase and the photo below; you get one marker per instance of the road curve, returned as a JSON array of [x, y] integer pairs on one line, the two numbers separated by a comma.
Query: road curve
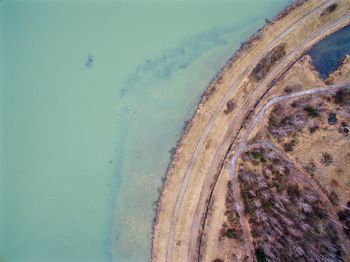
[[300, 48], [242, 146], [272, 102], [219, 109]]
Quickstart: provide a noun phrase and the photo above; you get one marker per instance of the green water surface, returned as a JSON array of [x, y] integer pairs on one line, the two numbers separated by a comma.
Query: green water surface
[[94, 95]]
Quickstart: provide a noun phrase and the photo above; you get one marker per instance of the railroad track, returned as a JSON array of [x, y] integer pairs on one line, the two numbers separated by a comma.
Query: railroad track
[[193, 242], [220, 154]]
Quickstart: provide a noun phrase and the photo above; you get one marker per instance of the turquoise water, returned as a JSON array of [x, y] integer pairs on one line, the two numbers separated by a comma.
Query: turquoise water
[[94, 95], [328, 54]]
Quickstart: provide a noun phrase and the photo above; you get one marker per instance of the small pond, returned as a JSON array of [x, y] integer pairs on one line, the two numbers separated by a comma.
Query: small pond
[[328, 54]]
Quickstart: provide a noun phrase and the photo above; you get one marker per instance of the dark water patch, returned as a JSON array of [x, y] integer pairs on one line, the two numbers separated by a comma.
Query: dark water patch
[[171, 61], [328, 54]]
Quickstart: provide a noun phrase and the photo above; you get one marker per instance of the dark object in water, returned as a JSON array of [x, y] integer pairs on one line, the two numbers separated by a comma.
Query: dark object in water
[[89, 61], [332, 119]]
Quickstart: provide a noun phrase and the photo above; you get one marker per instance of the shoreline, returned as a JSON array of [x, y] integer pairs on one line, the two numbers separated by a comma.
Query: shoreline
[[192, 170], [207, 93]]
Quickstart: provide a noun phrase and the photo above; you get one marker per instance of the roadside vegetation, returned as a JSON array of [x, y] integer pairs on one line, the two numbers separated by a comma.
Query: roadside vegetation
[[342, 97], [265, 64], [230, 106], [329, 9], [289, 120], [344, 217], [232, 229]]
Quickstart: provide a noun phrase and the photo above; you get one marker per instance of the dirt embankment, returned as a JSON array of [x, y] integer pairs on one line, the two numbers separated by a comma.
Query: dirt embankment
[[172, 234]]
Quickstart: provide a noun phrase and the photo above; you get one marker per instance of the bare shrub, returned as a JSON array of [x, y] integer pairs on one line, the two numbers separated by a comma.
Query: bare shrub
[[288, 219], [329, 9], [267, 62], [326, 159], [230, 106]]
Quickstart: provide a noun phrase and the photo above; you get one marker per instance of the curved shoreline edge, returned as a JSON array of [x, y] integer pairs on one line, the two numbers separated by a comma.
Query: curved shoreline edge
[[211, 87]]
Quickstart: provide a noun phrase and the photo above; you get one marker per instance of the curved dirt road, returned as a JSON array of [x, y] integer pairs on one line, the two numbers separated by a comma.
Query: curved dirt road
[[242, 147], [235, 125], [220, 153]]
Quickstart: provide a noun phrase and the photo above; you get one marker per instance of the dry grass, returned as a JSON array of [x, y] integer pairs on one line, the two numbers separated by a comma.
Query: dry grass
[[322, 148], [221, 218], [203, 169]]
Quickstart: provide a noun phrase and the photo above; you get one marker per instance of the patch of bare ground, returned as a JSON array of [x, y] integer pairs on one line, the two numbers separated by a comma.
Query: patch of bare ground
[[288, 219], [301, 76], [221, 238]]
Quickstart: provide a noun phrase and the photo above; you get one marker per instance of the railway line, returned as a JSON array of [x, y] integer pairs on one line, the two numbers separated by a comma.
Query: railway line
[[233, 131]]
